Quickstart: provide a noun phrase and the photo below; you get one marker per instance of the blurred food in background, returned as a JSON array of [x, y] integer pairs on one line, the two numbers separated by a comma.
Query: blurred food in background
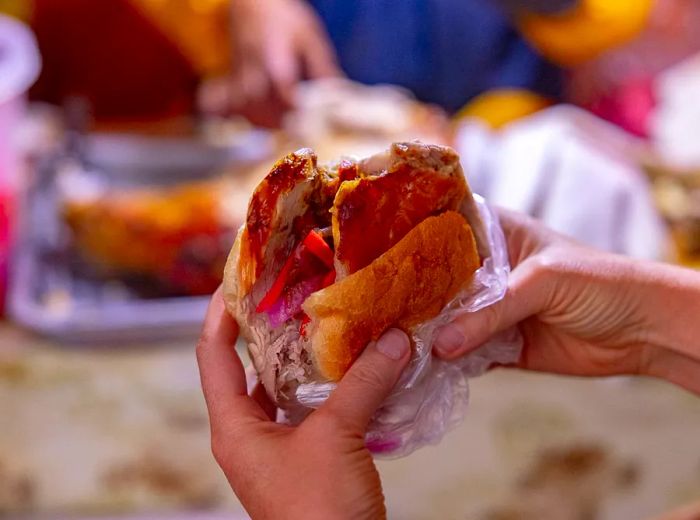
[[121, 233], [338, 117], [172, 241]]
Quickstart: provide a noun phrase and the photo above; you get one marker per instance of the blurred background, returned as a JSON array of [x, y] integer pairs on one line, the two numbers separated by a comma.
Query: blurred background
[[132, 133]]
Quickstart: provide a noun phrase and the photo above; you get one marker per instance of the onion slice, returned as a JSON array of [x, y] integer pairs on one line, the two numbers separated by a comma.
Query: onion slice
[[290, 305]]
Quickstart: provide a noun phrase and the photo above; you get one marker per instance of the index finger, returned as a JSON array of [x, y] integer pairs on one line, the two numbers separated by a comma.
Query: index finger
[[220, 369], [284, 70]]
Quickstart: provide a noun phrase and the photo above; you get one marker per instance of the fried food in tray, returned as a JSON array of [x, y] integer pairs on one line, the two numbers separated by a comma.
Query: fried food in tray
[[162, 241]]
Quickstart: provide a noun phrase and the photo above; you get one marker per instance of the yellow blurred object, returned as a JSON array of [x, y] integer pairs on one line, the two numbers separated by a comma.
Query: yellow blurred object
[[588, 30], [16, 8], [198, 27], [497, 108]]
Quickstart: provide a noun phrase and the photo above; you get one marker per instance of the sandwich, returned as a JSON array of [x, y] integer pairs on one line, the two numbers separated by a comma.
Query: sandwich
[[331, 257]]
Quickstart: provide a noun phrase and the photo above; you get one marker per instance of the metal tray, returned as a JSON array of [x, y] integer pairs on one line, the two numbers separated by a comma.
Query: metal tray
[[49, 297]]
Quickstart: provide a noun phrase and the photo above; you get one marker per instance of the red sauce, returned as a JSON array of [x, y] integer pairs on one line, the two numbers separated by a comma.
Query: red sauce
[[283, 177], [347, 171], [381, 210]]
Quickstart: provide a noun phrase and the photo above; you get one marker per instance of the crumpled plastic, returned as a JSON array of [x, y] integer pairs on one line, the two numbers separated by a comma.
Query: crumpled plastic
[[432, 395]]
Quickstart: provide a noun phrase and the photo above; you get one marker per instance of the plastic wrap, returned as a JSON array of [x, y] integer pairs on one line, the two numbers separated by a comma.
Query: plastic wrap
[[432, 395]]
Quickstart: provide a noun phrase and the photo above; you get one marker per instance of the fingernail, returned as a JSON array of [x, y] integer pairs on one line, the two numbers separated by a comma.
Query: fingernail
[[450, 339], [393, 344]]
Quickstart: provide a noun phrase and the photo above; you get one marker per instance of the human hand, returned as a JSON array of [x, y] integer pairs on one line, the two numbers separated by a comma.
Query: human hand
[[588, 313], [319, 469], [275, 45]]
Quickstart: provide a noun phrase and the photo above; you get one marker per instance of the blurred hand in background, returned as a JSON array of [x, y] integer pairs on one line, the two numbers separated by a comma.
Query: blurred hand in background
[[275, 45]]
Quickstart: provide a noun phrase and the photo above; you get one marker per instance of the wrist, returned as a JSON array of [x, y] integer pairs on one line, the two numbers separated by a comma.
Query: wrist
[[670, 299], [669, 326], [675, 368]]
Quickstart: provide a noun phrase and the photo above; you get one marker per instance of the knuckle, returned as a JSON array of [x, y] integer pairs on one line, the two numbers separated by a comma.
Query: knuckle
[[368, 377], [201, 345], [543, 266], [491, 318], [324, 424], [218, 450], [223, 438], [330, 424]]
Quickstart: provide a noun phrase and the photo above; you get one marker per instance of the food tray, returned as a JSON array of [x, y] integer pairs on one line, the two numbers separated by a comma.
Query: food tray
[[47, 296]]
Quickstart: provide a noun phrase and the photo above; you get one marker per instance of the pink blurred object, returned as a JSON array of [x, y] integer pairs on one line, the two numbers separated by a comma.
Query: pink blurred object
[[629, 106], [19, 68], [619, 86]]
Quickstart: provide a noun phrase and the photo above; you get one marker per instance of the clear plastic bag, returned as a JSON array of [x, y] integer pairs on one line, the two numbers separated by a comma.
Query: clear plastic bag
[[432, 395]]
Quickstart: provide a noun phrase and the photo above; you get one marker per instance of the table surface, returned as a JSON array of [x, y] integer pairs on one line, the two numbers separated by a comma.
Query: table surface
[[122, 430]]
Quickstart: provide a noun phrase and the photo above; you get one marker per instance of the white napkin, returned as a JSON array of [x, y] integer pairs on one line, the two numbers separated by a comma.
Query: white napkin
[[675, 123], [573, 172]]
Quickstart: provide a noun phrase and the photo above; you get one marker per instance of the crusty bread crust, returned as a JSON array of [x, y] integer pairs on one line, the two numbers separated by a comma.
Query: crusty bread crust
[[230, 284], [404, 287]]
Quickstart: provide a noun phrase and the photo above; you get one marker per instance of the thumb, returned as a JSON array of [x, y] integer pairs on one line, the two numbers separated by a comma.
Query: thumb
[[369, 381], [526, 296]]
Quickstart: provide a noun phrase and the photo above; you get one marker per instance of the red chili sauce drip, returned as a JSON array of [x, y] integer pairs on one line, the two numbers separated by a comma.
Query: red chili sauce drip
[[347, 171]]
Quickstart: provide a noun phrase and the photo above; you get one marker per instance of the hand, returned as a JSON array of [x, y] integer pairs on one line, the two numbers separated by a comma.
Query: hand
[[319, 469], [588, 313], [276, 44]]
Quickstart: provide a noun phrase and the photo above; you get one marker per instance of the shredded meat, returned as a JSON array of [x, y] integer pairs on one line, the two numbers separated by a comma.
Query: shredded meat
[[285, 363]]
